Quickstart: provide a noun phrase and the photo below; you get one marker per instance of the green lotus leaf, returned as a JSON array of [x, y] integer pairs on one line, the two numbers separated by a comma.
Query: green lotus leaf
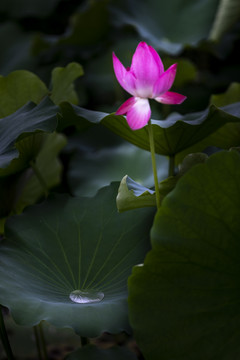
[[67, 261], [187, 292], [18, 88], [166, 25], [91, 352], [173, 135], [62, 83], [25, 121]]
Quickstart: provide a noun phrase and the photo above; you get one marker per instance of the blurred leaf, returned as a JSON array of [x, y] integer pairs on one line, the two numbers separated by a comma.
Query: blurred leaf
[[50, 168], [94, 165], [227, 14], [91, 352], [17, 89], [186, 72], [23, 188], [88, 26], [25, 121], [28, 8], [67, 244], [62, 83], [231, 96], [17, 48], [166, 25], [186, 294]]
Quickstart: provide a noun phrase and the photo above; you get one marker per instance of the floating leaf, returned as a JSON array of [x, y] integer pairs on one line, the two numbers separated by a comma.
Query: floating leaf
[[62, 83], [67, 244], [187, 292], [91, 352], [23, 122]]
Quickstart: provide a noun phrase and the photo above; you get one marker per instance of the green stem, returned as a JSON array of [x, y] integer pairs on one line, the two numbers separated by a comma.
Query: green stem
[[35, 329], [4, 337], [171, 165], [42, 338], [154, 167], [40, 178]]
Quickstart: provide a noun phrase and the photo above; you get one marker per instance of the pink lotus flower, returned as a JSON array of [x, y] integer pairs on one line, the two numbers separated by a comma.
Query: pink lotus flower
[[145, 79]]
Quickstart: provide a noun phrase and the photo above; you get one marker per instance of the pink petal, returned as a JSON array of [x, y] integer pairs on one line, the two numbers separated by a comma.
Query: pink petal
[[164, 83], [139, 114], [124, 76], [146, 67], [123, 109], [170, 98]]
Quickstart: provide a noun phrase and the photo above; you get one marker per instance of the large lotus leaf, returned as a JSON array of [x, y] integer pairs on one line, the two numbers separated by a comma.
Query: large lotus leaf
[[184, 300], [67, 244], [62, 83], [17, 89], [91, 352], [173, 135], [25, 121], [167, 25], [26, 8]]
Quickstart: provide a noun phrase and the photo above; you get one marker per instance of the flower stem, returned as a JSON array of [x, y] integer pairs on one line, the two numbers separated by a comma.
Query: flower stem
[[171, 165], [35, 329], [4, 337], [42, 338], [154, 167], [40, 178]]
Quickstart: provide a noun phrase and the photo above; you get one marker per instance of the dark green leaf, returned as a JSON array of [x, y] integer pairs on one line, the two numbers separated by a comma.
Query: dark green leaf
[[173, 135], [186, 294], [66, 244]]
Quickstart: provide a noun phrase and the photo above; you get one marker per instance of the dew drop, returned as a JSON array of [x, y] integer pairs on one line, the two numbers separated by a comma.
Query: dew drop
[[86, 296]]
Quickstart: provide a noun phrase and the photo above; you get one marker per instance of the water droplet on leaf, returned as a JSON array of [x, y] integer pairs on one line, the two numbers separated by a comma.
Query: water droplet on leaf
[[86, 296]]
